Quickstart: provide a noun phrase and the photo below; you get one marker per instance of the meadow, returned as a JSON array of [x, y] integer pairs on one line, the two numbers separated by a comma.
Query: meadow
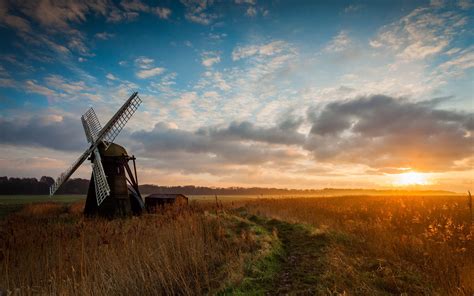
[[347, 245]]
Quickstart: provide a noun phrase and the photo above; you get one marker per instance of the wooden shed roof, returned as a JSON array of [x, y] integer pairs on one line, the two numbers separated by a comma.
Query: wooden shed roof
[[165, 196]]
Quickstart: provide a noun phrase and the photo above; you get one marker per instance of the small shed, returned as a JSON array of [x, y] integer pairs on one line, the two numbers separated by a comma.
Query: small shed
[[155, 200]]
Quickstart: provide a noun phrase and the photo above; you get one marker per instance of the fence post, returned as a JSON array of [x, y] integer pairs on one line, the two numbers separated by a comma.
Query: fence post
[[469, 202]]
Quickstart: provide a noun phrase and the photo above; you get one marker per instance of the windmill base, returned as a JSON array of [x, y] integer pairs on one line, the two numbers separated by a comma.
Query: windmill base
[[113, 206]]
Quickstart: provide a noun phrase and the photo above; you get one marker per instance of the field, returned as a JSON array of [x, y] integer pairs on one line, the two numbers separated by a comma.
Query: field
[[346, 245]]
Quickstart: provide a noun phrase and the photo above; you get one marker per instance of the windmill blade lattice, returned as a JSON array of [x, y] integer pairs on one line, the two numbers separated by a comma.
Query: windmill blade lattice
[[102, 189], [118, 121], [65, 175], [91, 125]]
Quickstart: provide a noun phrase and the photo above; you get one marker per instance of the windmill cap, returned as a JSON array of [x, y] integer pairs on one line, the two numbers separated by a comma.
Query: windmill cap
[[113, 150]]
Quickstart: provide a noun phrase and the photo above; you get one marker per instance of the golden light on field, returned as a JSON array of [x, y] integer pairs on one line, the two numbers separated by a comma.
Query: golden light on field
[[411, 178]]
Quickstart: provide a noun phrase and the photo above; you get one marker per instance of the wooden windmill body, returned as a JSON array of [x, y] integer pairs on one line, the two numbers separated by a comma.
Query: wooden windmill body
[[125, 198]]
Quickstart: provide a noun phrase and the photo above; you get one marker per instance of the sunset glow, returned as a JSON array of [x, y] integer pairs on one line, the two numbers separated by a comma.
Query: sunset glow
[[410, 179]]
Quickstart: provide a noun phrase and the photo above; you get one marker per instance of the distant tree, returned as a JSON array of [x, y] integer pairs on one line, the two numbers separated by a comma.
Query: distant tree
[[47, 180]]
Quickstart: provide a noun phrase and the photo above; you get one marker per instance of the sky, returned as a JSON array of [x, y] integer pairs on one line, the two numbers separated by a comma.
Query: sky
[[287, 94]]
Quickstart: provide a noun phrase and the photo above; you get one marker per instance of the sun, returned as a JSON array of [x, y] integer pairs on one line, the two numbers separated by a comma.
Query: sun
[[411, 178]]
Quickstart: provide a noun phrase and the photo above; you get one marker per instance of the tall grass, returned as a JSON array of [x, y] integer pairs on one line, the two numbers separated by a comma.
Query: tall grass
[[418, 245], [51, 249]]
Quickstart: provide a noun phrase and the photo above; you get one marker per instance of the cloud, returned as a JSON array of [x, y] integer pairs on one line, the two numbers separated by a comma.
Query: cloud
[[104, 35], [463, 60], [251, 11], [138, 6], [58, 82], [378, 133], [150, 72], [217, 37], [18, 23], [162, 12], [116, 16], [55, 132], [32, 86], [216, 79], [147, 68], [7, 82], [134, 5], [339, 43], [388, 133], [352, 8], [78, 45], [183, 105], [111, 76], [465, 4], [437, 3], [422, 33], [268, 49], [284, 133], [210, 58], [144, 62], [196, 11], [207, 148], [251, 2]]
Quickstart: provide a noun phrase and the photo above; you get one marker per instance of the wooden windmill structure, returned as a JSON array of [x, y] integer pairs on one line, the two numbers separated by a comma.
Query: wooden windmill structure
[[113, 188]]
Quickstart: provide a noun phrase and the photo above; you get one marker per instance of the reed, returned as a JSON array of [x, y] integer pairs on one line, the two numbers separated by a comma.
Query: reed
[[411, 244]]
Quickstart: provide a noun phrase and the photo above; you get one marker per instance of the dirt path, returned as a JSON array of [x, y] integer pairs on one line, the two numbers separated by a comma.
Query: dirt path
[[302, 261]]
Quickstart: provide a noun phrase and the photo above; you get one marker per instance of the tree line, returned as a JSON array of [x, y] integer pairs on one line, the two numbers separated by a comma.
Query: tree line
[[33, 186]]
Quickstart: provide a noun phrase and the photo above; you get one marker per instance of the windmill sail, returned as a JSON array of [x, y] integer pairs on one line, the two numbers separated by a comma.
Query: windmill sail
[[102, 189], [65, 175], [118, 121], [92, 128], [91, 125]]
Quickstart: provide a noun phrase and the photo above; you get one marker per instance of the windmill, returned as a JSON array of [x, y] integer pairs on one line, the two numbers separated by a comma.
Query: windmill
[[113, 188]]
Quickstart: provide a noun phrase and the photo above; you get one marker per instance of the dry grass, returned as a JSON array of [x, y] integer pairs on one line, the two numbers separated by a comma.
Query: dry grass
[[372, 246], [414, 245], [50, 249]]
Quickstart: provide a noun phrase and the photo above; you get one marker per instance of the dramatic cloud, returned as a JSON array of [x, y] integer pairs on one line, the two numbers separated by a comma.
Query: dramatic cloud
[[284, 133], [55, 132], [387, 133], [217, 146], [380, 132]]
